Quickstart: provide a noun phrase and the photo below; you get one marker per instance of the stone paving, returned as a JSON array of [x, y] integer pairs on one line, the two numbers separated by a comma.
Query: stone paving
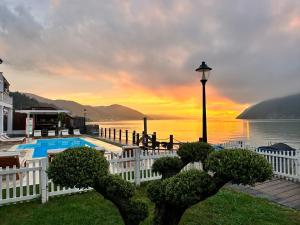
[[277, 190]]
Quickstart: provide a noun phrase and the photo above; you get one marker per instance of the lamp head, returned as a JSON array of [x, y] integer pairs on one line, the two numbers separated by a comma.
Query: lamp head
[[204, 70]]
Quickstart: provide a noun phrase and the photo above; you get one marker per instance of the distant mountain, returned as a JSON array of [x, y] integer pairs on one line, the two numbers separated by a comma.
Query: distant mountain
[[279, 108], [22, 101], [94, 113]]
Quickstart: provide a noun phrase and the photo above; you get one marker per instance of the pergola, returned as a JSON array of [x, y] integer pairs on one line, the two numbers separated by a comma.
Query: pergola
[[41, 118]]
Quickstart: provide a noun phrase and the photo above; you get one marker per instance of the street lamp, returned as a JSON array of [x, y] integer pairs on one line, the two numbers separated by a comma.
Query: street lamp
[[204, 70], [84, 116]]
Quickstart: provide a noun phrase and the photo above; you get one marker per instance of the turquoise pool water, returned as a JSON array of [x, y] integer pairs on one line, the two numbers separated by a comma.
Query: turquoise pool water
[[43, 145]]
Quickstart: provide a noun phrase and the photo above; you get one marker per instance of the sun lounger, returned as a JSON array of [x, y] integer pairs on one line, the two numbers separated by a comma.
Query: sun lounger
[[37, 133], [51, 133], [14, 138], [65, 132], [76, 132], [11, 159], [10, 140]]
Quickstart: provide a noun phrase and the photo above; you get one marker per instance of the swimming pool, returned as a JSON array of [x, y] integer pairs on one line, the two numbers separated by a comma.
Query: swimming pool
[[41, 146]]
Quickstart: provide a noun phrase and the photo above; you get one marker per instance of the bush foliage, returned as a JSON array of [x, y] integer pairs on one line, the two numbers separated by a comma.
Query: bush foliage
[[194, 152], [78, 167], [239, 166], [85, 167], [167, 166], [178, 191]]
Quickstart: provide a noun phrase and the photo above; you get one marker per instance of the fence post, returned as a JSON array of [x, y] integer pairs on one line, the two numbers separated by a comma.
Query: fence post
[[114, 134], [101, 131], [137, 175], [298, 164], [120, 135], [105, 132], [44, 180], [109, 133]]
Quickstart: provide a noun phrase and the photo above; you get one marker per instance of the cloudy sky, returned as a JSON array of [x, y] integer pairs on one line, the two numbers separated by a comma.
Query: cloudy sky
[[143, 53]]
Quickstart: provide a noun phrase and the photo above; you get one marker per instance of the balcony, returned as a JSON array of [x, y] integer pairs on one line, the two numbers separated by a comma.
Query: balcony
[[5, 98]]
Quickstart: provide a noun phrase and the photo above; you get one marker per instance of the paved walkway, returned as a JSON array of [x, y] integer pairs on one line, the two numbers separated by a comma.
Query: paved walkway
[[281, 191]]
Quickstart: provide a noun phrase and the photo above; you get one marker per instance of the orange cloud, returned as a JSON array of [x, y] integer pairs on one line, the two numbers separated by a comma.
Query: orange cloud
[[180, 100], [294, 23]]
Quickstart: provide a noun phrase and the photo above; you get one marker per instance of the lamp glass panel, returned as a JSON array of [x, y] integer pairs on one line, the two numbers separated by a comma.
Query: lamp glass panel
[[205, 74]]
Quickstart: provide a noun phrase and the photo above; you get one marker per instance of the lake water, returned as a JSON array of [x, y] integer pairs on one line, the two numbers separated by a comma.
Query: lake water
[[255, 133]]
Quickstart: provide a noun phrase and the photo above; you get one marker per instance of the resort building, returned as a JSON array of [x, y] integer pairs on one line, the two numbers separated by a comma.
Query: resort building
[[43, 119], [6, 107]]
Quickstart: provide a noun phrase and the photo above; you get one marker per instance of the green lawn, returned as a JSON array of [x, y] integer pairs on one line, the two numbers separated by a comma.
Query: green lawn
[[227, 208]]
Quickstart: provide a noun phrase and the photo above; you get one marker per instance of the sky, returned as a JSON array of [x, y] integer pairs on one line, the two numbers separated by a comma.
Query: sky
[[143, 54]]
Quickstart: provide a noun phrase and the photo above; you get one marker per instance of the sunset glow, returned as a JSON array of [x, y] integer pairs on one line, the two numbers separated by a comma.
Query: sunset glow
[[143, 54]]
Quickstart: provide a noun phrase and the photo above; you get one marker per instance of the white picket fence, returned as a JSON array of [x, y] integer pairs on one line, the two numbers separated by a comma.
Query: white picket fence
[[30, 182], [285, 164]]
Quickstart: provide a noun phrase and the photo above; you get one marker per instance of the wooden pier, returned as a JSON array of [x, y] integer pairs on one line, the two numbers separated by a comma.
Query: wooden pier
[[144, 140]]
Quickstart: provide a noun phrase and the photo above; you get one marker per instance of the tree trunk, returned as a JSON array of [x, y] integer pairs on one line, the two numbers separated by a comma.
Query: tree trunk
[[166, 214]]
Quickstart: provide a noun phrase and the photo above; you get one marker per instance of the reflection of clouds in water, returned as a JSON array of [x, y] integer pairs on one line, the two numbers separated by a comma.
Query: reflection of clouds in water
[[264, 132]]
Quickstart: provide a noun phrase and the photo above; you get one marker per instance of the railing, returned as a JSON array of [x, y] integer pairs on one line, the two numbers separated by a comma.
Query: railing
[[146, 141], [285, 164], [30, 182], [4, 97]]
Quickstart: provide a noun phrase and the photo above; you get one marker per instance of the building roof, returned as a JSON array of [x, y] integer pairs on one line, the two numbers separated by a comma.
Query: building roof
[[42, 110], [278, 147]]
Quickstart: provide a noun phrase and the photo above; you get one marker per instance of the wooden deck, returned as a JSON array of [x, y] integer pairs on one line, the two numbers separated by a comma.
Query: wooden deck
[[277, 190]]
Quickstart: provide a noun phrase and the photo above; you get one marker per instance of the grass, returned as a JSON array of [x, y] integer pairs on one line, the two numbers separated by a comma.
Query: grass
[[227, 208]]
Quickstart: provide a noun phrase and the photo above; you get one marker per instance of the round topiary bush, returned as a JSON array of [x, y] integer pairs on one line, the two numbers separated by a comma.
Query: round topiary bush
[[194, 152], [174, 194], [167, 166], [85, 167], [120, 192], [239, 166], [78, 167]]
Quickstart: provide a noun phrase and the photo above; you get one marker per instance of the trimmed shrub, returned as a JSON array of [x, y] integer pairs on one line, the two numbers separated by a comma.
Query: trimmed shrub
[[115, 187], [86, 167], [156, 191], [167, 166], [194, 152], [187, 188], [136, 211], [120, 192], [175, 193], [78, 167], [239, 166]]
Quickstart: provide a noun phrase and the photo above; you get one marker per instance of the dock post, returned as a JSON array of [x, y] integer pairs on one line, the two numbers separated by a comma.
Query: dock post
[[126, 136], [114, 134], [109, 133], [171, 144], [105, 132], [145, 134], [145, 140], [153, 140], [133, 137], [137, 139], [101, 132], [120, 135]]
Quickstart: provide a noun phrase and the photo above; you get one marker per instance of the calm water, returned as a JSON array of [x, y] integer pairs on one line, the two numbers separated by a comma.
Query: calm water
[[255, 133]]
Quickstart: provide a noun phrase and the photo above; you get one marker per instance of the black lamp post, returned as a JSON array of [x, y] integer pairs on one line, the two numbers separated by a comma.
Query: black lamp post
[[204, 70], [84, 116]]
